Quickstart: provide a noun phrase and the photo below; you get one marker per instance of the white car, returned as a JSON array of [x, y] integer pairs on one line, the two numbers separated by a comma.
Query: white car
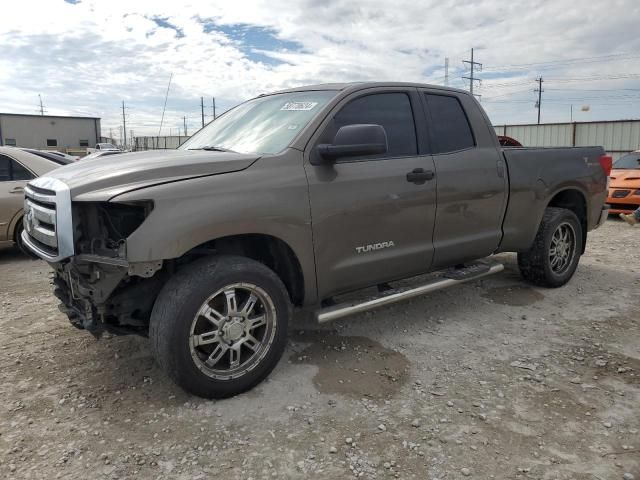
[[101, 153], [103, 147]]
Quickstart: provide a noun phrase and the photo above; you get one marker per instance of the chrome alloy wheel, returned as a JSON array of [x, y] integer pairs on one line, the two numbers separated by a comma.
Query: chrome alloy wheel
[[232, 331], [563, 248]]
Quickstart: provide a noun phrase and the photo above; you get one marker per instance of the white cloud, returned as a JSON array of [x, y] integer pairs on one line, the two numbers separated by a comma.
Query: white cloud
[[86, 58]]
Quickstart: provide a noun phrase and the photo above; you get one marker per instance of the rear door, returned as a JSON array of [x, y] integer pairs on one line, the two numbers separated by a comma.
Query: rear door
[[471, 179], [370, 223], [13, 178]]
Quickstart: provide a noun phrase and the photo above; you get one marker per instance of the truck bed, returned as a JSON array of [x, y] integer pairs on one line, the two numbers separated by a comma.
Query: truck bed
[[537, 175]]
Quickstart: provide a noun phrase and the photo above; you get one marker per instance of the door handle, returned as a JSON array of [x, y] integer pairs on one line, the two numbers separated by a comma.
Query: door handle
[[419, 176], [500, 168], [17, 190]]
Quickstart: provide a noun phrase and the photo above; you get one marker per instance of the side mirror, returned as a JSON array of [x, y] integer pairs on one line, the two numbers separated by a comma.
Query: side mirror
[[355, 141]]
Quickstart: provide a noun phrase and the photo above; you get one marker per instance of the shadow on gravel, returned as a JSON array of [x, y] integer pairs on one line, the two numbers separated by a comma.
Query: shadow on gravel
[[13, 255], [352, 366]]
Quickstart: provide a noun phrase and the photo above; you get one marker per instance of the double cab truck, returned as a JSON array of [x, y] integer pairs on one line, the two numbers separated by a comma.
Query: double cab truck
[[293, 199]]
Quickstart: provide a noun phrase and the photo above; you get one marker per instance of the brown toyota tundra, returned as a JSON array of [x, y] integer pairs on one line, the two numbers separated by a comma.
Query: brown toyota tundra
[[292, 200]]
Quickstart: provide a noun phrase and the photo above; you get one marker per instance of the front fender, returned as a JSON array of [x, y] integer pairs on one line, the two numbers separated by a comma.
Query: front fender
[[267, 198]]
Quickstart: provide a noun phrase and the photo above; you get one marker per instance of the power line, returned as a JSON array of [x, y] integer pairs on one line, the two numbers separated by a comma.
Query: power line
[[596, 78], [506, 94], [552, 63], [596, 89]]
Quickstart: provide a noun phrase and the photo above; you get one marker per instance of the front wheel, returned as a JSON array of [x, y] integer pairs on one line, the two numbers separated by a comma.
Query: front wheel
[[219, 326], [19, 243], [553, 258]]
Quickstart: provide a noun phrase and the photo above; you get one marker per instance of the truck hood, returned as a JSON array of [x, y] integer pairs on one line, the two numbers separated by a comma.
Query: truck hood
[[102, 178]]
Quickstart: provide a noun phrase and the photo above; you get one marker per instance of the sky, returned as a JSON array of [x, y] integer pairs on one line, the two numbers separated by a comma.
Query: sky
[[85, 57]]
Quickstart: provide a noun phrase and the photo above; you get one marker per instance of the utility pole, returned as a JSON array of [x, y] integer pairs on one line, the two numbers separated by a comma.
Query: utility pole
[[184, 119], [539, 92], [202, 109], [446, 71], [41, 106], [471, 77], [165, 105], [213, 106], [124, 125]]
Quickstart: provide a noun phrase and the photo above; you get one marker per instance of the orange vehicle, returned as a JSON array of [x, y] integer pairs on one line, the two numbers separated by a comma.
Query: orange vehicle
[[624, 189]]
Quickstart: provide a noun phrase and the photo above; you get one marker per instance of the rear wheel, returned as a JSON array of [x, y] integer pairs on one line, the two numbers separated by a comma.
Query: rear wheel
[[553, 258], [219, 326]]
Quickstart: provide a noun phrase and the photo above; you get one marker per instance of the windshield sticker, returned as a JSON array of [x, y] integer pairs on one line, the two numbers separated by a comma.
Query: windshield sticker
[[293, 126], [299, 106]]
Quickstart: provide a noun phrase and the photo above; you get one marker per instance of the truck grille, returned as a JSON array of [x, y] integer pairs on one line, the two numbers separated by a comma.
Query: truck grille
[[40, 218], [47, 219]]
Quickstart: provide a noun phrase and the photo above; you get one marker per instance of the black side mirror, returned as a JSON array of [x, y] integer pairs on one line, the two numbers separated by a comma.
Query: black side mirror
[[355, 141]]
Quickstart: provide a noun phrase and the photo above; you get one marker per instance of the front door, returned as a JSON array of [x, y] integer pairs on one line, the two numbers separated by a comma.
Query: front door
[[371, 224], [13, 178]]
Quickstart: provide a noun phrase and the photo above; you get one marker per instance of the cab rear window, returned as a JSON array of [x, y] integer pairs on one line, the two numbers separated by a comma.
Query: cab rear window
[[449, 124]]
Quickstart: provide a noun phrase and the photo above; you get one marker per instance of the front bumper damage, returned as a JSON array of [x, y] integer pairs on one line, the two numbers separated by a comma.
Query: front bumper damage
[[106, 294], [86, 245]]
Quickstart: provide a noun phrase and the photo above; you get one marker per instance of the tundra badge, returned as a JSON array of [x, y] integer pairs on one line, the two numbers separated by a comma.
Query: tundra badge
[[375, 246]]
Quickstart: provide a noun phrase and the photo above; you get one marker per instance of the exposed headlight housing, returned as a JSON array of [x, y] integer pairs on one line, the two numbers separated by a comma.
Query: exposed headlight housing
[[101, 228]]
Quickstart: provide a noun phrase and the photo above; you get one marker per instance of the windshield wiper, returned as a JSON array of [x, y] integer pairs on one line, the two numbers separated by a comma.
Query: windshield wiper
[[213, 148]]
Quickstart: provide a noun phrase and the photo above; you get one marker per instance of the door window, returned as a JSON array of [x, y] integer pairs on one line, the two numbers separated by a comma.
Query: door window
[[449, 124], [390, 110], [10, 170]]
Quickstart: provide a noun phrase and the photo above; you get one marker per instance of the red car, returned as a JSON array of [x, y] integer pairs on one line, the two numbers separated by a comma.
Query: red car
[[508, 141], [624, 189]]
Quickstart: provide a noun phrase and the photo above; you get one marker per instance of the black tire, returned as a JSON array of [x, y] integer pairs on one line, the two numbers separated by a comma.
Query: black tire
[[178, 308], [17, 238], [536, 264]]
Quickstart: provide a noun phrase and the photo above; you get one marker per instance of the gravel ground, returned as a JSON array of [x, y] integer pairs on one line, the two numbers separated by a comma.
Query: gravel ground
[[495, 379]]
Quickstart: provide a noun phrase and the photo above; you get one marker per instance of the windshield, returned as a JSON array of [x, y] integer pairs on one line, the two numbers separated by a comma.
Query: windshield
[[630, 160], [264, 125]]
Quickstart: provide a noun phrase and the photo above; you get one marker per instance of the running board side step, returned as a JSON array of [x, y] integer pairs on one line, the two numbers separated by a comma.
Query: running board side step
[[445, 279]]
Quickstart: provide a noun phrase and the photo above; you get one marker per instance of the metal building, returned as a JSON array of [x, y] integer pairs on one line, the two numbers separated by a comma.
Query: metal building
[[49, 131], [159, 143], [616, 136]]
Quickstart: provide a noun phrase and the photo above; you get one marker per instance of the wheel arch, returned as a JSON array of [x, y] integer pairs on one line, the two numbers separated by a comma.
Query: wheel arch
[[575, 200], [269, 250], [13, 224]]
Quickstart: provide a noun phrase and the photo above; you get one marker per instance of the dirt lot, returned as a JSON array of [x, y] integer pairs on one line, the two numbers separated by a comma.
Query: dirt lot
[[492, 380]]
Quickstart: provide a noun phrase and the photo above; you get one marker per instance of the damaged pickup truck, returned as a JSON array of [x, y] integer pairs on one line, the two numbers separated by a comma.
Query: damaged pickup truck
[[293, 199]]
